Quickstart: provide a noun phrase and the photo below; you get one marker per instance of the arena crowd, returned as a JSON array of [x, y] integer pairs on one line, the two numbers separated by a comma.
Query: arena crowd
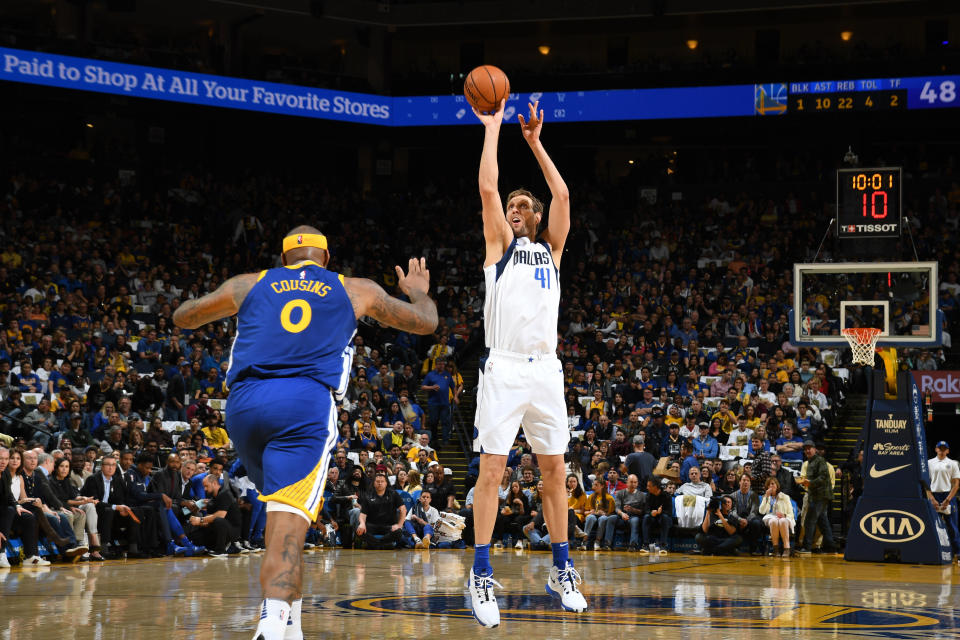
[[690, 413]]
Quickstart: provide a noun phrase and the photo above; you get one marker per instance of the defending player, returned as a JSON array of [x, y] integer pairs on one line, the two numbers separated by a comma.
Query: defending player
[[289, 365], [521, 380]]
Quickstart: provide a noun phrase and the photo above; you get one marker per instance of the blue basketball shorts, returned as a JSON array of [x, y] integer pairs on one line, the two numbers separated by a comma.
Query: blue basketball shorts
[[284, 430]]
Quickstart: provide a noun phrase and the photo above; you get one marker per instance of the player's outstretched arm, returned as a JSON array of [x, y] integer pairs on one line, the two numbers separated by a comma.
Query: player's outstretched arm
[[496, 232], [558, 225], [417, 316], [222, 303]]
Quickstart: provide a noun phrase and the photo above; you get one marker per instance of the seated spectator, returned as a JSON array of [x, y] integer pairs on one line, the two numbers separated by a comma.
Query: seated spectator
[[808, 424], [421, 520], [614, 483], [706, 446], [527, 481], [214, 432], [70, 497], [346, 503], [219, 528], [741, 435], [722, 384], [65, 522], [102, 418], [382, 515], [444, 493], [671, 446], [526, 463], [412, 484], [659, 509], [395, 437], [367, 438], [727, 417], [789, 446], [746, 504], [423, 443], [15, 519], [729, 482], [44, 422], [629, 503], [576, 499], [777, 512], [695, 487], [687, 462], [75, 432], [514, 514], [719, 531], [110, 490], [200, 409], [412, 413], [78, 471], [601, 508], [155, 433]]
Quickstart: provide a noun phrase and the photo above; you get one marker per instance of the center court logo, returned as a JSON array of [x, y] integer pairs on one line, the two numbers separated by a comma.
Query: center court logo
[[892, 525], [667, 611]]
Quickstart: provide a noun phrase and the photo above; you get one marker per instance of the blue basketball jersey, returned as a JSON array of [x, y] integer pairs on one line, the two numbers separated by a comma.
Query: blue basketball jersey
[[296, 321]]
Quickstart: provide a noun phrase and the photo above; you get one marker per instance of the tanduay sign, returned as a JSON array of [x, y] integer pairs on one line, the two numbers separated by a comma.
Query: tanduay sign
[[893, 521]]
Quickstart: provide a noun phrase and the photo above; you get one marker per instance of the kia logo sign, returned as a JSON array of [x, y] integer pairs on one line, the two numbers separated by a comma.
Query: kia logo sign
[[890, 525]]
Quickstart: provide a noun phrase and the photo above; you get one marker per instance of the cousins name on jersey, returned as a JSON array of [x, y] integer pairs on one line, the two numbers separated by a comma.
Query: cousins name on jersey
[[310, 286]]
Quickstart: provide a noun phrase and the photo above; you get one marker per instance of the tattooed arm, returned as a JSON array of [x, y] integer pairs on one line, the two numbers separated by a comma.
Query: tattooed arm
[[222, 303], [417, 316]]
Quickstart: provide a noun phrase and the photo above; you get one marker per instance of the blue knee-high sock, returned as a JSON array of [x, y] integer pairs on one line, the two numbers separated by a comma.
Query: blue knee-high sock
[[175, 526], [481, 560], [560, 556], [258, 515]]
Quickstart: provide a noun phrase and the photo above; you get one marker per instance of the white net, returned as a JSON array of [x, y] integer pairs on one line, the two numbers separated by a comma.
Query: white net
[[863, 343]]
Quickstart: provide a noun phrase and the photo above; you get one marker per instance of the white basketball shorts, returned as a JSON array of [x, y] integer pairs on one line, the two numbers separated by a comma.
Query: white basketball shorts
[[517, 389]]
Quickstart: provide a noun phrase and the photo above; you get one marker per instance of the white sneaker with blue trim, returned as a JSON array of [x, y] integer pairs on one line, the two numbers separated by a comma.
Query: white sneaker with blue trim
[[562, 585], [485, 608]]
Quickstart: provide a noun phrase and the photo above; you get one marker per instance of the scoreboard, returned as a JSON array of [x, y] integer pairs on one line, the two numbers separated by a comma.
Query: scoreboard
[[831, 96], [868, 203]]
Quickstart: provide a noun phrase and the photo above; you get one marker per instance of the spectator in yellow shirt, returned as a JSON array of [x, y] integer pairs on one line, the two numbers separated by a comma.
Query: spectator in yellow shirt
[[424, 444], [576, 498], [598, 402], [214, 432], [727, 418]]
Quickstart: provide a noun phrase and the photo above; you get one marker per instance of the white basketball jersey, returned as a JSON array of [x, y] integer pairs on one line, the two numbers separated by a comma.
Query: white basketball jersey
[[522, 299]]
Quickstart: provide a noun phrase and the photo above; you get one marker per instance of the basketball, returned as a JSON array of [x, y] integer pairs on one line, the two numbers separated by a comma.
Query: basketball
[[485, 87]]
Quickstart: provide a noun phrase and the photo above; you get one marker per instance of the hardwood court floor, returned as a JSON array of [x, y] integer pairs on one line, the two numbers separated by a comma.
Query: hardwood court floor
[[420, 594]]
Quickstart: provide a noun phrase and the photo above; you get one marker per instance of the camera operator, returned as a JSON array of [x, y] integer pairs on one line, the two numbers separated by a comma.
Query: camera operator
[[719, 529]]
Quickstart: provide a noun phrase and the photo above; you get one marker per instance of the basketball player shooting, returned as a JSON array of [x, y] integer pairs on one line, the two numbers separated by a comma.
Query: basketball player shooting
[[289, 365], [521, 379]]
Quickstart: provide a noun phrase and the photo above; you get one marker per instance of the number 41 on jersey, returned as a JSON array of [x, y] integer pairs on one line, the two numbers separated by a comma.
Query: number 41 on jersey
[[542, 274]]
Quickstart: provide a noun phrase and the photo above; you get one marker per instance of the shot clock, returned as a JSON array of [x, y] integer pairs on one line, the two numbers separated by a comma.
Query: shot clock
[[868, 203]]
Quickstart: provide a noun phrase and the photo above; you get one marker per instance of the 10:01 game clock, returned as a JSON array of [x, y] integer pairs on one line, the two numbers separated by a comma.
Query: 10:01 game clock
[[868, 202]]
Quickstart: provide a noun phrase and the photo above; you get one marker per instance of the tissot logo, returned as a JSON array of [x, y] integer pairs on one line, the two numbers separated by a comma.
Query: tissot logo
[[861, 228], [890, 525]]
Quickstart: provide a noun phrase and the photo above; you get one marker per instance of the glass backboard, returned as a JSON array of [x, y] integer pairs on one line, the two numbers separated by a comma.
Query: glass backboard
[[897, 297]]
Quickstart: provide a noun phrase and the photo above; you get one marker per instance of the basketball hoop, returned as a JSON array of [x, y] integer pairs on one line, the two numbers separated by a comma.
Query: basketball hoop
[[863, 343]]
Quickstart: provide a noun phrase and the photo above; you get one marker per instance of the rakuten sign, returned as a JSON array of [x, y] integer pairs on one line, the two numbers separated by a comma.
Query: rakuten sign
[[944, 385]]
